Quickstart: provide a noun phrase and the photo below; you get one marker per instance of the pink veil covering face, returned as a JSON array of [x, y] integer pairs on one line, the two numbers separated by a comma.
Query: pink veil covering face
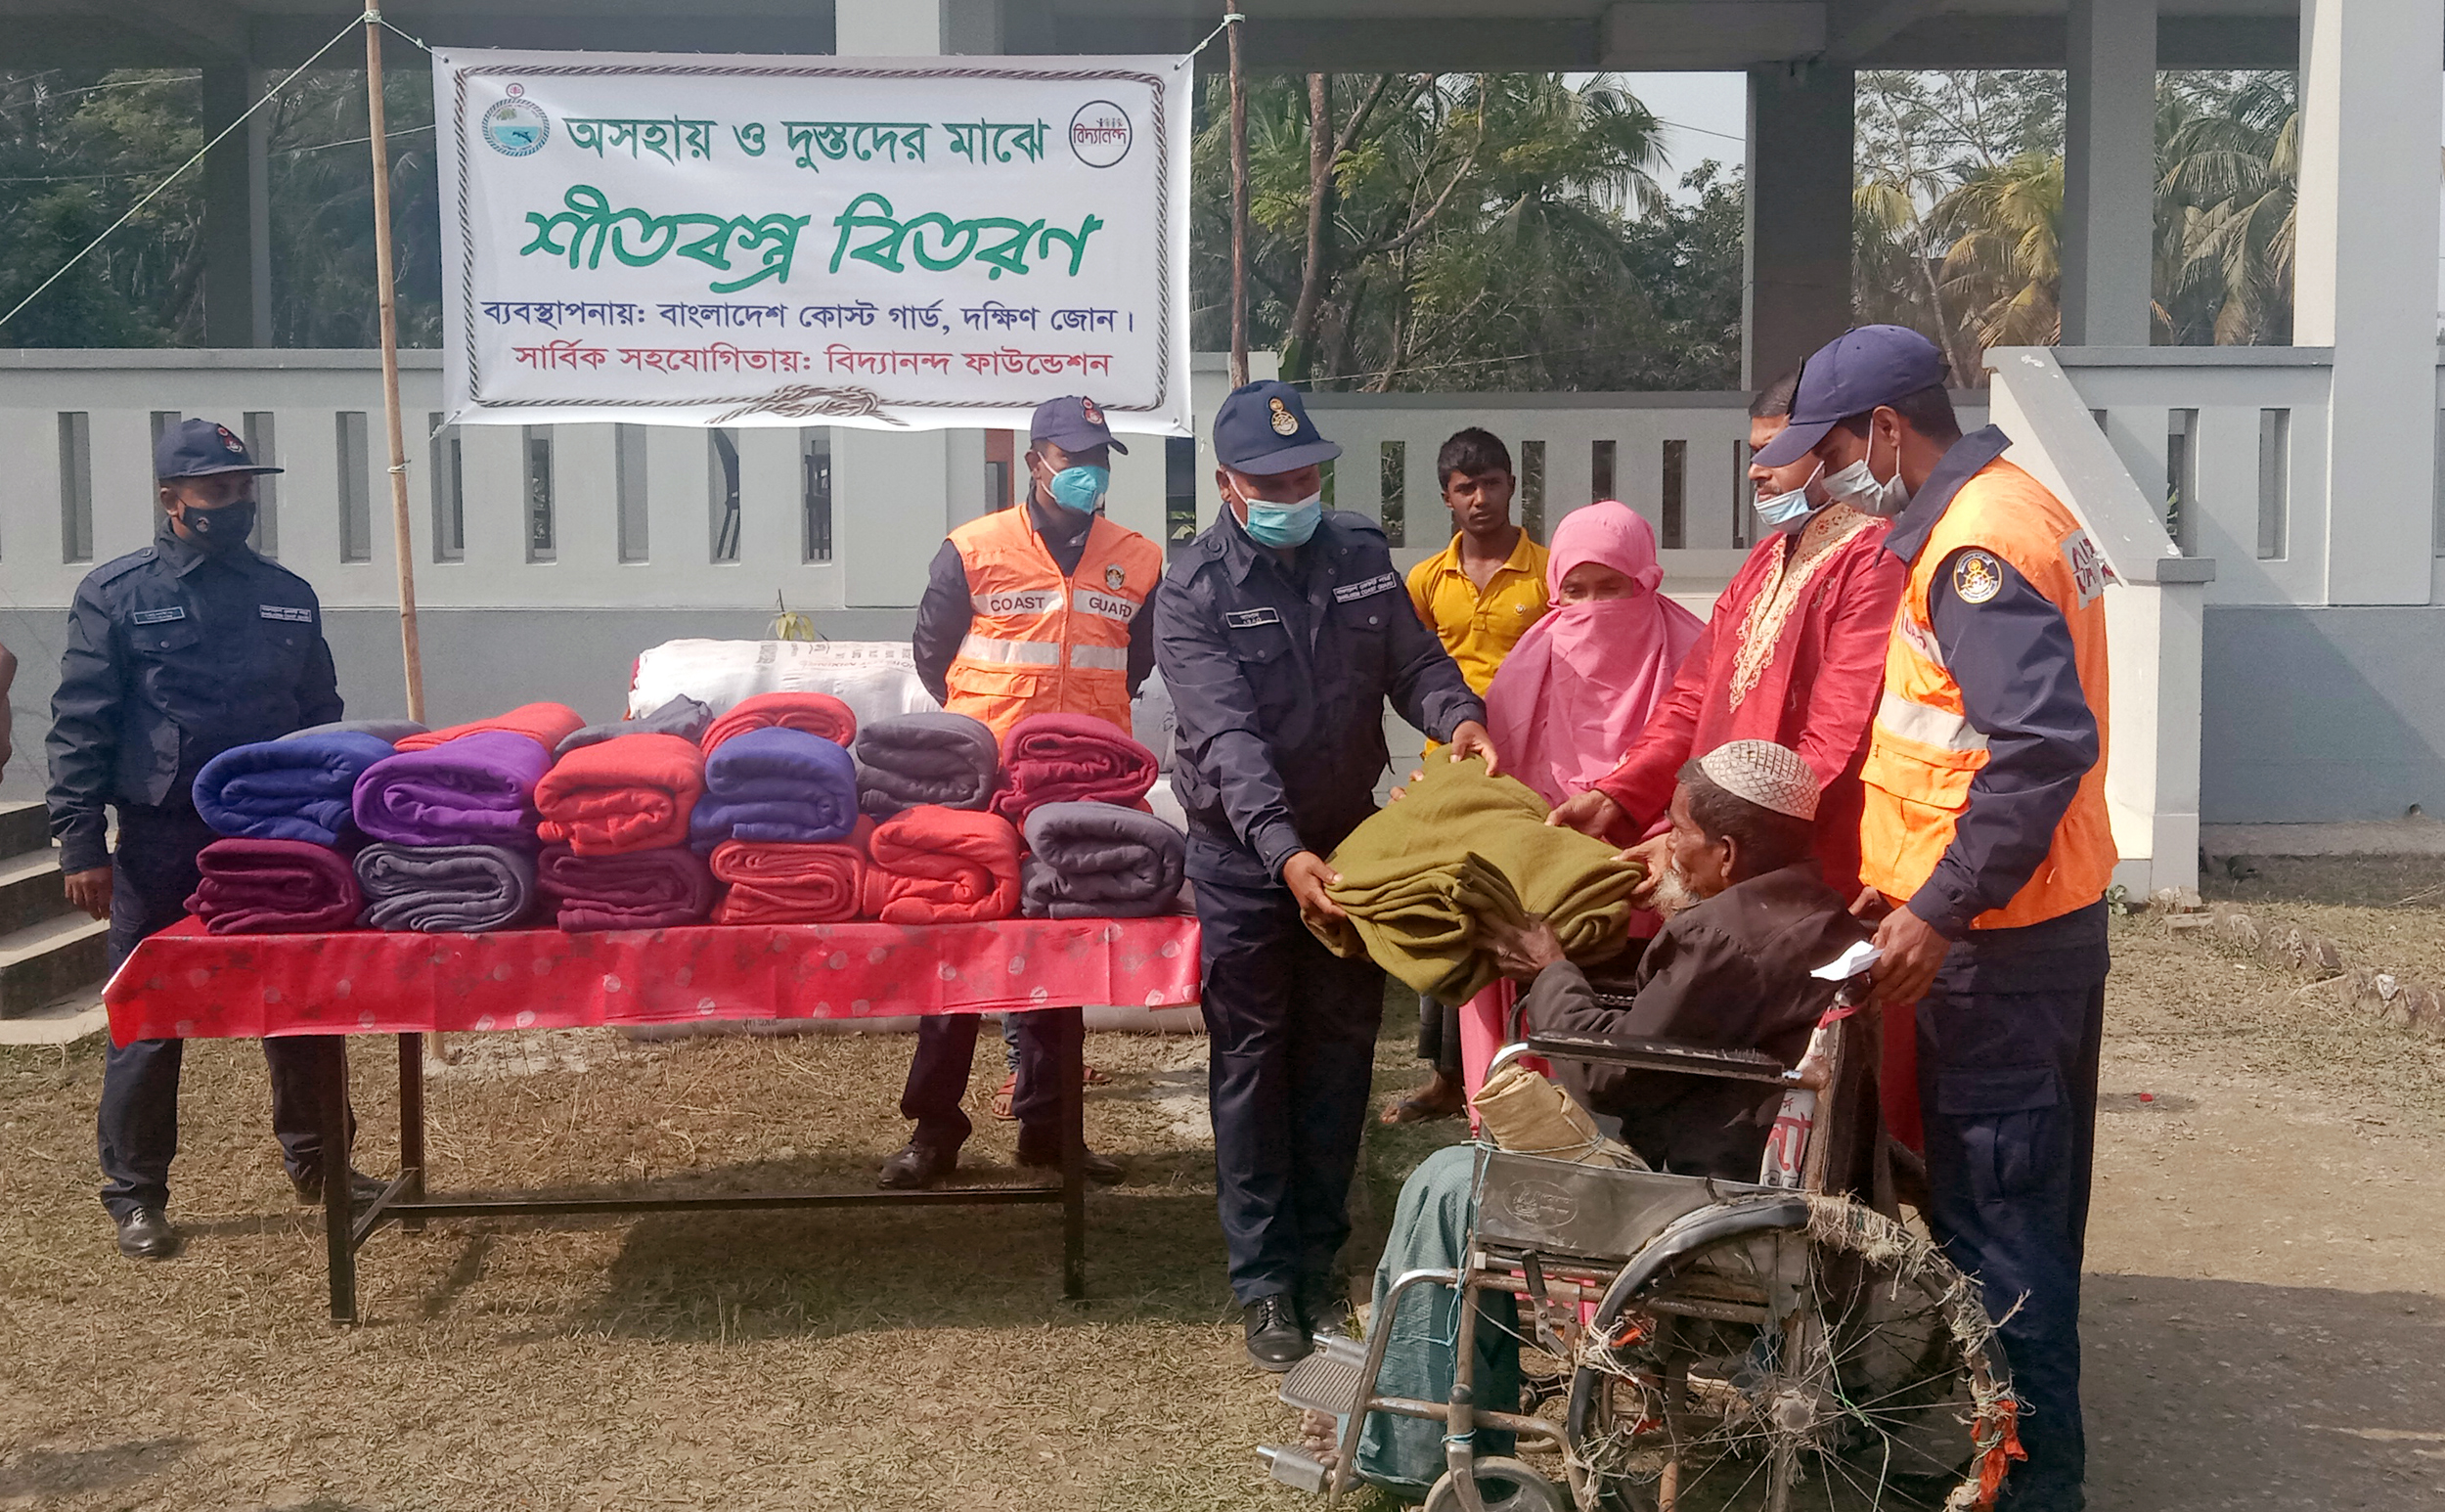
[[1580, 685]]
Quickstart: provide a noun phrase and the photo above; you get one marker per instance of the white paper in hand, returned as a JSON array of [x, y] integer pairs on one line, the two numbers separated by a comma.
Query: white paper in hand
[[1842, 969]]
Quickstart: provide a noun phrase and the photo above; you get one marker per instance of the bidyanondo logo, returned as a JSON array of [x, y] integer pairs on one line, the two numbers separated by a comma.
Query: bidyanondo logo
[[1100, 134], [518, 126]]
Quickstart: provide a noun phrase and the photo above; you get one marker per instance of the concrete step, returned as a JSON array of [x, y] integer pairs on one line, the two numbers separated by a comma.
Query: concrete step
[[44, 962], [63, 1022], [24, 828], [30, 890]]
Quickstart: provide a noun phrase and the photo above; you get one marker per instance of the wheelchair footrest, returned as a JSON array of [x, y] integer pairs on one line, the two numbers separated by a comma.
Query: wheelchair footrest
[[1329, 1380], [1294, 1468]]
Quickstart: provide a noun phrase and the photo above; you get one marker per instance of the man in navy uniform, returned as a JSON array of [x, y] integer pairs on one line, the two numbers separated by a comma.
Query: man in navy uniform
[[175, 653], [1281, 633]]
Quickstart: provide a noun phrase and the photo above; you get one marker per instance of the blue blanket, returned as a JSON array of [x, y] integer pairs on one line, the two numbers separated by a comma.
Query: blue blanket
[[776, 785], [295, 789]]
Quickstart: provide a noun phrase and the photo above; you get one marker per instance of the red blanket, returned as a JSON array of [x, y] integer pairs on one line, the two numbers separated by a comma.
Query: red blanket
[[1070, 758], [937, 866], [275, 887], [818, 714], [548, 723], [628, 793], [785, 882], [635, 890]]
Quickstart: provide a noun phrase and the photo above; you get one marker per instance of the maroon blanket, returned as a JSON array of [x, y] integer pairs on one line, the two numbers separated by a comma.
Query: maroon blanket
[[1070, 758], [631, 890], [265, 887]]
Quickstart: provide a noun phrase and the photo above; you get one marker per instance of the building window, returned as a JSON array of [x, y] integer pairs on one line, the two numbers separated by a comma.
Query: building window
[[1532, 490], [75, 486], [539, 536], [2181, 475], [2275, 481], [2437, 532], [1675, 477], [356, 489], [1395, 508], [1327, 495], [722, 453], [164, 422], [263, 445], [1743, 495], [814, 493], [448, 471], [628, 486], [1600, 459], [1180, 488], [997, 485]]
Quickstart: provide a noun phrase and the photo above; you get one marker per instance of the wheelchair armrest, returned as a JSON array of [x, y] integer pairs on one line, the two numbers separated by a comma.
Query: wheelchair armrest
[[1679, 1057]]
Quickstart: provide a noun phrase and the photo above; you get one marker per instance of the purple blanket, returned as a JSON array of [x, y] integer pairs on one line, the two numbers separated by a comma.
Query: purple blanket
[[776, 785], [476, 790]]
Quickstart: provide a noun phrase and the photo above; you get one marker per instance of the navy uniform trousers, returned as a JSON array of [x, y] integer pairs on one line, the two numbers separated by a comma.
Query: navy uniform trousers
[[2008, 1045], [946, 1050], [1291, 1060], [153, 874]]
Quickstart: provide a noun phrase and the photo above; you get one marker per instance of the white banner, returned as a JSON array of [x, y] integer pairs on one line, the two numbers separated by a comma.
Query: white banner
[[735, 240]]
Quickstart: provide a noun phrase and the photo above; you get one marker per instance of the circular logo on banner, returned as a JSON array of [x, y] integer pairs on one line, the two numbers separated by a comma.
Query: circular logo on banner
[[1101, 133], [517, 127]]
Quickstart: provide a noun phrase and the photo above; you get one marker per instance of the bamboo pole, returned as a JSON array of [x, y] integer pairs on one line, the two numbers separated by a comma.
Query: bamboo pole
[[403, 546], [1239, 208]]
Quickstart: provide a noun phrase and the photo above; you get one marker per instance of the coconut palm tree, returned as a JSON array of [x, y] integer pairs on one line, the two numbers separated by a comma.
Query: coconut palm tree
[[2229, 160], [2003, 266]]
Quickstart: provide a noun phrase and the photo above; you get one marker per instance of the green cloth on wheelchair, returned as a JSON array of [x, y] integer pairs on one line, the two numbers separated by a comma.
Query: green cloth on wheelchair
[[1431, 1231], [1461, 846]]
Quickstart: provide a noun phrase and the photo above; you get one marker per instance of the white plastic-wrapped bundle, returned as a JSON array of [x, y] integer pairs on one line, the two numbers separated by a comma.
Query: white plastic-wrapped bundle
[[877, 679]]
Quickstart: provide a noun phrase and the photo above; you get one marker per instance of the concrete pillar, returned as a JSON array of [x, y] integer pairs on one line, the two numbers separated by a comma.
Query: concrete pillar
[[1797, 294], [237, 213], [2108, 173], [2365, 280]]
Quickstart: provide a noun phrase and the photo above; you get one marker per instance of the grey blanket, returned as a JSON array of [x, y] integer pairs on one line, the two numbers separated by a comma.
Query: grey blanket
[[683, 716], [444, 889], [1099, 861], [393, 730], [909, 759]]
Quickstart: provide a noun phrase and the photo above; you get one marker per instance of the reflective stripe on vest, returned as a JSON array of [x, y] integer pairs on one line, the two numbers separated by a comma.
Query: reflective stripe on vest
[[1103, 606], [1927, 724], [1041, 600], [1012, 653], [1099, 658]]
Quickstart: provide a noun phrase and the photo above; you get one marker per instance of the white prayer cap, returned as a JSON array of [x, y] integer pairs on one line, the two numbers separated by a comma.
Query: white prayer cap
[[1772, 777]]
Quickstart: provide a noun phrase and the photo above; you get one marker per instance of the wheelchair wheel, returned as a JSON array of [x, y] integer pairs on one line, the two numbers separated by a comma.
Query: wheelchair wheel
[[1840, 1366], [1503, 1485]]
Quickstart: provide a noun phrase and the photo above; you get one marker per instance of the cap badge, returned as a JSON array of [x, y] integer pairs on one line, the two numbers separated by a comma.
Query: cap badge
[[1087, 409], [1115, 578], [230, 441], [1285, 423]]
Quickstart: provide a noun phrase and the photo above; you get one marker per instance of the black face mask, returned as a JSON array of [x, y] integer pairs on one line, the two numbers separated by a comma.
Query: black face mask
[[221, 529]]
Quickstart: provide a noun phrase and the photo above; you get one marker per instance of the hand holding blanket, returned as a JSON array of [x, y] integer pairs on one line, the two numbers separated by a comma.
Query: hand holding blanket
[[1099, 861], [1070, 758], [544, 723], [946, 759], [634, 793], [293, 788], [818, 714], [261, 887], [933, 865], [776, 785], [632, 890], [476, 790], [792, 884], [444, 889]]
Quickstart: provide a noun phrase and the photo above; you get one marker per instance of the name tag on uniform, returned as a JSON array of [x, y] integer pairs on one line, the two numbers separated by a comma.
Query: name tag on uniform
[[287, 612], [1250, 619], [1351, 593], [158, 616]]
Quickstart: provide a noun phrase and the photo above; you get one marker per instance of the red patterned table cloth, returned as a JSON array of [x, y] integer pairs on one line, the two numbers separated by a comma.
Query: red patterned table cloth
[[184, 983]]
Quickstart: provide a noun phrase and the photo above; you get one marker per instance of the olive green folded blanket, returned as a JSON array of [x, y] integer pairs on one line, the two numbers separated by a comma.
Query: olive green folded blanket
[[1418, 877]]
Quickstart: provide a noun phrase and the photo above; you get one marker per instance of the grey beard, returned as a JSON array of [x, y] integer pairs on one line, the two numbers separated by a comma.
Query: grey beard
[[1672, 892]]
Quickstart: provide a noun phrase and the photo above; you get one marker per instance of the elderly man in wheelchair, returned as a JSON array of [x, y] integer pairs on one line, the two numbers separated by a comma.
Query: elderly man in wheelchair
[[1696, 1229]]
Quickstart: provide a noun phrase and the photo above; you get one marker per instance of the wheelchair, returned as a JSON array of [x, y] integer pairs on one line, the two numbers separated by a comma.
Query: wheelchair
[[1789, 1344]]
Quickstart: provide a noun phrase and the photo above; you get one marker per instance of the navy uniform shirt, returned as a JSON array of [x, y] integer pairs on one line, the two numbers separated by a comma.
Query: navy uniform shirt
[[174, 655], [947, 609], [1278, 674], [2020, 681]]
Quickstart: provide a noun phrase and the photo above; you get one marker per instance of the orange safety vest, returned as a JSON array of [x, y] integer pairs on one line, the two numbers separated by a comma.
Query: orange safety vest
[[1923, 750], [1040, 642]]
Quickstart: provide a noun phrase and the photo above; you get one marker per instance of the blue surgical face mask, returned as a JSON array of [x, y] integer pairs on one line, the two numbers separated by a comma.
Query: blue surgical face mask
[[1788, 513], [1080, 488], [1284, 525], [1859, 487]]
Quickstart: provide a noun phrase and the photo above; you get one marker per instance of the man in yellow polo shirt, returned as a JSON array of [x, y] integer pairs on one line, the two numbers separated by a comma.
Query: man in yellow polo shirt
[[1479, 595]]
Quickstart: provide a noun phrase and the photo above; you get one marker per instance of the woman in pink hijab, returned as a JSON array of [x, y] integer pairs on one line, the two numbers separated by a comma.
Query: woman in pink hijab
[[1578, 688]]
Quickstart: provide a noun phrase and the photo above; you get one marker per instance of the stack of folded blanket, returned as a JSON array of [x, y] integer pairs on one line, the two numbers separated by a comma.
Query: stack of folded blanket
[[478, 789], [544, 723], [390, 732], [948, 759], [1099, 861], [816, 714], [1070, 758], [937, 866], [776, 785], [633, 794], [776, 882], [295, 789], [683, 716], [445, 889], [255, 886], [657, 889]]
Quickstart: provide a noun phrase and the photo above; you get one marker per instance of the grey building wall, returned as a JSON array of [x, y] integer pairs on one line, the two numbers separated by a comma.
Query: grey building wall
[[2320, 715]]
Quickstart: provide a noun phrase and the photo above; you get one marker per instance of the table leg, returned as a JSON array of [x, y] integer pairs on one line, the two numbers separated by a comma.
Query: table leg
[[338, 1221], [1074, 1170], [412, 1126]]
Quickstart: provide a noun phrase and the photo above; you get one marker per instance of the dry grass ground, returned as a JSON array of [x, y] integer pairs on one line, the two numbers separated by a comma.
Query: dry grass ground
[[2265, 1314]]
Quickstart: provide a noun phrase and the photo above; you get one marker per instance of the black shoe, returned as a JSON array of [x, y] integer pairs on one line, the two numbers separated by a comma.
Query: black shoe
[[1102, 1170], [146, 1234], [1276, 1341], [916, 1167], [1325, 1307], [362, 1188]]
